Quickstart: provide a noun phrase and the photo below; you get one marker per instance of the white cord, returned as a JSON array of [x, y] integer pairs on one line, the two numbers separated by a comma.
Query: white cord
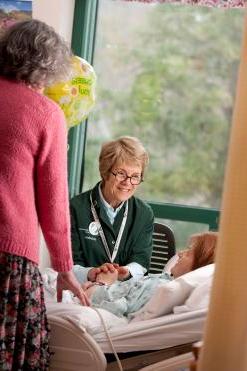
[[109, 338]]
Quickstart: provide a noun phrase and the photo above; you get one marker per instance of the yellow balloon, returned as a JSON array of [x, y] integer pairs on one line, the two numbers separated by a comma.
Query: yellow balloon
[[76, 96]]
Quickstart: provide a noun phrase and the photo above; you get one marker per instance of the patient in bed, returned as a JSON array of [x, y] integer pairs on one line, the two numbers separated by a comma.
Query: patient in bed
[[125, 297]]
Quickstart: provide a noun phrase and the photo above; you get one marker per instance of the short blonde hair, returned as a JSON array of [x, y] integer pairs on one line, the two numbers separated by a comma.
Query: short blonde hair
[[122, 150]]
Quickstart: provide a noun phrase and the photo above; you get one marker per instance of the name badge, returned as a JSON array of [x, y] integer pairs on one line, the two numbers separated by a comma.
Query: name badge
[[94, 228]]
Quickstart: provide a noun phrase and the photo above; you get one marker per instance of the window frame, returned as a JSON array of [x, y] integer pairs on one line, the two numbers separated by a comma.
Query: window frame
[[83, 43]]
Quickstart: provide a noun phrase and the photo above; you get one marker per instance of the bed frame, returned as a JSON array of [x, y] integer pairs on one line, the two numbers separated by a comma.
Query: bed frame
[[75, 350], [134, 363], [181, 362]]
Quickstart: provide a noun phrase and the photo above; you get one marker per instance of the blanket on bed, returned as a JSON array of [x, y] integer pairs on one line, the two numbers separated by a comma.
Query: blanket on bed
[[151, 297], [124, 298], [120, 298]]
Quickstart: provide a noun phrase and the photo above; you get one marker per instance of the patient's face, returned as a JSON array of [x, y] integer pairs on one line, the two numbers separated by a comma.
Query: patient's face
[[184, 263]]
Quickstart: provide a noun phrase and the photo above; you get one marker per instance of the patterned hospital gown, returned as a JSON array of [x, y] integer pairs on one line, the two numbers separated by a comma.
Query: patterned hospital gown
[[124, 298]]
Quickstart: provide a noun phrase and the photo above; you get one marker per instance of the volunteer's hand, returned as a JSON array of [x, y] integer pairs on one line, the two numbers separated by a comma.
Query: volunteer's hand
[[104, 268], [68, 281]]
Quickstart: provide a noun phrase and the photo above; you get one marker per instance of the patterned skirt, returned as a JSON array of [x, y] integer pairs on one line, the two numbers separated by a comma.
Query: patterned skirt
[[24, 330]]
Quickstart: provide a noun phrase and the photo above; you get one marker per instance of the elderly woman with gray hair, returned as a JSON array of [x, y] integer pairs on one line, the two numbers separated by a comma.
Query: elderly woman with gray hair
[[33, 190], [111, 228]]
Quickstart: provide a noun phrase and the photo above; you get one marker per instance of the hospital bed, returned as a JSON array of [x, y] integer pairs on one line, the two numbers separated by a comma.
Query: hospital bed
[[167, 325], [75, 348]]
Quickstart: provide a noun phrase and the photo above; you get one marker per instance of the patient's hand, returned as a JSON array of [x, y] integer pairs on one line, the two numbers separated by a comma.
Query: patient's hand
[[123, 273], [108, 273], [107, 277], [104, 268]]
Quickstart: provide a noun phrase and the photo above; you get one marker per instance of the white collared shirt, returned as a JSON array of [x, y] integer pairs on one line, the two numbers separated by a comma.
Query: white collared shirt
[[110, 211]]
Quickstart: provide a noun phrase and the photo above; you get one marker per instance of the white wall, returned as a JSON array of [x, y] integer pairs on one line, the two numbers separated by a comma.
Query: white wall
[[58, 14]]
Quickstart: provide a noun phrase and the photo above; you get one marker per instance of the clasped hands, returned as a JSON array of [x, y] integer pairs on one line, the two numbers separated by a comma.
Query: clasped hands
[[108, 273]]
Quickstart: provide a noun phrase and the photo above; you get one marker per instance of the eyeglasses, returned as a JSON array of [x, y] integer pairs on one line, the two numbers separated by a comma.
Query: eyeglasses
[[121, 176]]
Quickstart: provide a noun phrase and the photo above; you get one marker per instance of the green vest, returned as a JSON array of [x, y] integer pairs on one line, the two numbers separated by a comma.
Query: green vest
[[136, 242]]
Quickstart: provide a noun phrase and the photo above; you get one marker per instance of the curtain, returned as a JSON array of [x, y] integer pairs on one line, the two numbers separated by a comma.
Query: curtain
[[225, 338]]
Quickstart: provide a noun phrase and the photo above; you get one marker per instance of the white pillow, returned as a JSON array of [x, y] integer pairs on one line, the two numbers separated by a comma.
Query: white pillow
[[173, 293], [198, 299], [86, 318], [171, 262], [198, 276]]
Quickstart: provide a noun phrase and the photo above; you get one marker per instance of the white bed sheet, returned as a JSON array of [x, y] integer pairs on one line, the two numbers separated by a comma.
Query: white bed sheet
[[183, 326], [159, 333], [153, 334], [85, 318]]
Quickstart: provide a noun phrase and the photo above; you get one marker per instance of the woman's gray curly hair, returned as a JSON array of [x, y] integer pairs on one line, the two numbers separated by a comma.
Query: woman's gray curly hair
[[32, 52]]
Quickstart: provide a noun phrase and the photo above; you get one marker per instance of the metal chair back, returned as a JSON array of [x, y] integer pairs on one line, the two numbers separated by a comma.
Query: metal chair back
[[163, 247]]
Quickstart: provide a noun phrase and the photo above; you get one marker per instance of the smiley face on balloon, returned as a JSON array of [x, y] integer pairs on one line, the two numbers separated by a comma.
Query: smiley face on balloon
[[76, 96]]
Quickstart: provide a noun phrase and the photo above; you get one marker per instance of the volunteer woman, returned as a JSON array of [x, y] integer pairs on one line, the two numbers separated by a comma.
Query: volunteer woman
[[110, 227]]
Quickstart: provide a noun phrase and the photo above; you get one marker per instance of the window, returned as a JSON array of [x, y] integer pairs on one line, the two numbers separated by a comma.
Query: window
[[167, 74]]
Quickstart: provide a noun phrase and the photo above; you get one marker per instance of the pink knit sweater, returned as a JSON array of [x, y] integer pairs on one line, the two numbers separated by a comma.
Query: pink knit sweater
[[33, 175]]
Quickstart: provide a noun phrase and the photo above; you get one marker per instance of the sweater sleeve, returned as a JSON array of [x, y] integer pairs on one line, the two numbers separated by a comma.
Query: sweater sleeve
[[52, 197]]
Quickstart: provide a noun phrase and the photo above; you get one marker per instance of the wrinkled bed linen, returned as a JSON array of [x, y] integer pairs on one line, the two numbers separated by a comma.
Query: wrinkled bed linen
[[124, 298], [121, 298]]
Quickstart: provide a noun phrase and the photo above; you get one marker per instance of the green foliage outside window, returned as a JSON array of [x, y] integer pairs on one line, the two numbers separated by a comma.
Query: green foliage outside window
[[167, 74]]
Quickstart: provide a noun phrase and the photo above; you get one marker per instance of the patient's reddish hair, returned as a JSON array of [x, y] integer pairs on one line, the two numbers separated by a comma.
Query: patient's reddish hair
[[204, 246]]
